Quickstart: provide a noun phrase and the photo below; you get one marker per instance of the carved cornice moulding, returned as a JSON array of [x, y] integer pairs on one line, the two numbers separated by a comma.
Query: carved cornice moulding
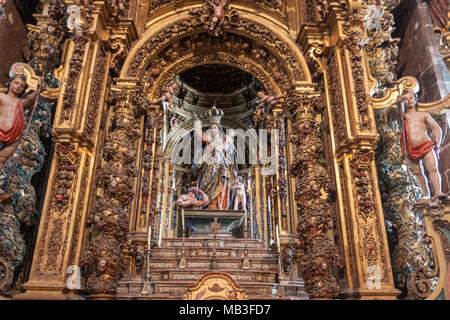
[[269, 9]]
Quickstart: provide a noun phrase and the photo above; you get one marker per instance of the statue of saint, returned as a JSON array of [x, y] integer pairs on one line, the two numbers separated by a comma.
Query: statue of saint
[[189, 199], [418, 147], [217, 168], [11, 115]]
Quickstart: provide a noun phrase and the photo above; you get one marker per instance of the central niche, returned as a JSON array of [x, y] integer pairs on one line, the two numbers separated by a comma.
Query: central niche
[[216, 78], [230, 89], [199, 89]]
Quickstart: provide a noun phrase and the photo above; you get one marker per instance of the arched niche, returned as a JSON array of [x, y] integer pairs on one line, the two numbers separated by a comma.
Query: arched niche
[[178, 41]]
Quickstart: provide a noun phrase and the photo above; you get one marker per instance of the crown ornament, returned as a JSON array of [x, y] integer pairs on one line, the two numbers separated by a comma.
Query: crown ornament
[[214, 114]]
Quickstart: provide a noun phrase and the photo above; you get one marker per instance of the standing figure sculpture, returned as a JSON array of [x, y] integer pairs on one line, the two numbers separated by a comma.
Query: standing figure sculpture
[[266, 102], [418, 147], [218, 16], [239, 193], [216, 170], [11, 115], [172, 89]]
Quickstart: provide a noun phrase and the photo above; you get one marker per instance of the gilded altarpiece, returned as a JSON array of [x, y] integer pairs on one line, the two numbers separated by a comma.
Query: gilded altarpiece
[[112, 182]]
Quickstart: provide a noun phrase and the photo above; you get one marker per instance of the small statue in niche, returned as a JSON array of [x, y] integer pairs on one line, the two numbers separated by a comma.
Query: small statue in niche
[[2, 9], [120, 5], [218, 16], [239, 190], [11, 115], [172, 89], [418, 147], [266, 102], [322, 6], [188, 198]]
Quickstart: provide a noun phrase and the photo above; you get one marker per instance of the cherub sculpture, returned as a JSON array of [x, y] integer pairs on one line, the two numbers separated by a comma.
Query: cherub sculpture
[[266, 102], [120, 5], [2, 9], [11, 114], [322, 6], [239, 189], [189, 199], [172, 89], [218, 17], [418, 147]]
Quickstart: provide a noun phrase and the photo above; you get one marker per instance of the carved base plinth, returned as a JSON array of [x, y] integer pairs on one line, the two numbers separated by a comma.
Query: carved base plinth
[[50, 290], [102, 296], [38, 295], [367, 294], [293, 290]]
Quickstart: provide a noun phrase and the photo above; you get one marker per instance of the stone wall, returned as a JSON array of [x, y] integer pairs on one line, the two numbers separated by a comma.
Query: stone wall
[[13, 35], [418, 54]]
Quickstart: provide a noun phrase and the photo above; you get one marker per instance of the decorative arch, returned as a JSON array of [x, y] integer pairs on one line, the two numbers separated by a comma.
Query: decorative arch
[[261, 48]]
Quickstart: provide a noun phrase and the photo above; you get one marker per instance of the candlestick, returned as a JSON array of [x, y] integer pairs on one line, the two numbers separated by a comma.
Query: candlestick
[[182, 218], [149, 236], [278, 238]]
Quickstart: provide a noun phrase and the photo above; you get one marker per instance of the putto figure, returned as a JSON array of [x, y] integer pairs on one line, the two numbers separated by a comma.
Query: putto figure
[[239, 190], [172, 89], [218, 16], [265, 101], [120, 5], [11, 115], [189, 199], [418, 146]]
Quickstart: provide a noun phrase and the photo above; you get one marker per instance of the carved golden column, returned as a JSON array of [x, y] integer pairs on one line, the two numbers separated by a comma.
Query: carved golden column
[[362, 229], [75, 132], [104, 255], [312, 195]]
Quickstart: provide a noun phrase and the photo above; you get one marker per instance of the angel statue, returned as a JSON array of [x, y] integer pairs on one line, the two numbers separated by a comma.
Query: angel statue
[[218, 16], [12, 104]]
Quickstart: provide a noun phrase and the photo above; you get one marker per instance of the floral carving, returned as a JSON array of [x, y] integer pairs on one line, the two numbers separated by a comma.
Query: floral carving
[[104, 256], [96, 92], [80, 36], [202, 49], [381, 49], [353, 42], [336, 99], [45, 43], [67, 168], [146, 53]]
